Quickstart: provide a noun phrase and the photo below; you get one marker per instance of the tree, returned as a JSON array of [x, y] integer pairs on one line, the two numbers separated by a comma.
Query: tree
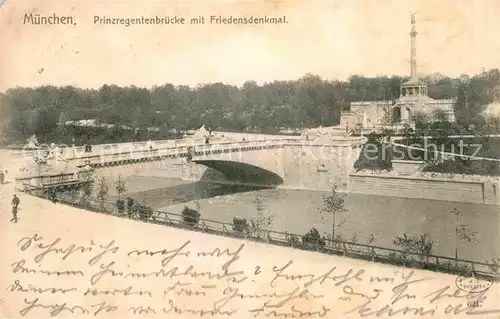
[[309, 101], [4, 119], [474, 95], [46, 122], [260, 223], [462, 231], [121, 186], [86, 194], [387, 115], [334, 204], [102, 192]]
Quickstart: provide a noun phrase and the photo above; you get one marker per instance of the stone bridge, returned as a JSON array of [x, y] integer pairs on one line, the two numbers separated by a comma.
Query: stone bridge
[[288, 163]]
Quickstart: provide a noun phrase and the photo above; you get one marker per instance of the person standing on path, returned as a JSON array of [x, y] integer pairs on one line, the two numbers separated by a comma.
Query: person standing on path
[[14, 203], [2, 177]]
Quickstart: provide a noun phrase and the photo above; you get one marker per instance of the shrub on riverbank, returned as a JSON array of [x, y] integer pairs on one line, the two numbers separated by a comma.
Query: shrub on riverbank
[[130, 205], [463, 166], [412, 248], [479, 146], [375, 154], [240, 225], [190, 217], [313, 240], [143, 211], [120, 205]]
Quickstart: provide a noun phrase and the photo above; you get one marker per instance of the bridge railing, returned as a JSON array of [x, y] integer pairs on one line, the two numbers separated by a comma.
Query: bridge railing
[[125, 156], [333, 247], [46, 179], [103, 149]]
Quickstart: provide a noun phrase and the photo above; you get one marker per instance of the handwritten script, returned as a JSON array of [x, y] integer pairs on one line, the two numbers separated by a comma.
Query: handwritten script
[[56, 277]]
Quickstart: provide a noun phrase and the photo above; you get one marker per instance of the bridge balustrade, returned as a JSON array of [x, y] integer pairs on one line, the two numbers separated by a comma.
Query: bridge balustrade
[[95, 160], [204, 149]]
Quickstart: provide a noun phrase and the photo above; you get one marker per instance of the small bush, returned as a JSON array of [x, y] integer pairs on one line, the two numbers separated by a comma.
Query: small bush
[[120, 205], [313, 239], [130, 205], [293, 240], [73, 195], [51, 194], [190, 217], [144, 212], [240, 225], [413, 248]]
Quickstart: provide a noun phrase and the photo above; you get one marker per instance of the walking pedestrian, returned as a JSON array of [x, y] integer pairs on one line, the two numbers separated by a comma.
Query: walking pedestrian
[[15, 204], [2, 177]]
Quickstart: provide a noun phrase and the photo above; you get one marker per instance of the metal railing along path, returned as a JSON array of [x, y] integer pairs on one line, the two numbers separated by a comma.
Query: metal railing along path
[[442, 153]]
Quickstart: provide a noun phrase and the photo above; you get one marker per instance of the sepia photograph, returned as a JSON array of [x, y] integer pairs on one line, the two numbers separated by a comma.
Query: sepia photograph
[[250, 159]]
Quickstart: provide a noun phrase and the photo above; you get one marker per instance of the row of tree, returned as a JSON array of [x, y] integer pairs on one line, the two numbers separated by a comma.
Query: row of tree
[[307, 102]]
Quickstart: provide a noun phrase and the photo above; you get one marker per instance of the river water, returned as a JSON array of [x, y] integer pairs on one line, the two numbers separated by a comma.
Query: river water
[[297, 211]]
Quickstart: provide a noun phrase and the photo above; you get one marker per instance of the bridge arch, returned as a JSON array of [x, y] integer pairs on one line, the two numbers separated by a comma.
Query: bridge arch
[[243, 173]]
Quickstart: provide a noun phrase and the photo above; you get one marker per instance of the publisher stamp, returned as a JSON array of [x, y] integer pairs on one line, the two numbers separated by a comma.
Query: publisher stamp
[[473, 284]]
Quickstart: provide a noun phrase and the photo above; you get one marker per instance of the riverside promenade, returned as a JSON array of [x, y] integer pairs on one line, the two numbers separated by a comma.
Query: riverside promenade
[[63, 261]]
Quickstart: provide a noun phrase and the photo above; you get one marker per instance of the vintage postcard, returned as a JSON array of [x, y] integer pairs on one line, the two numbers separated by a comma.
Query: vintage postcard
[[250, 159]]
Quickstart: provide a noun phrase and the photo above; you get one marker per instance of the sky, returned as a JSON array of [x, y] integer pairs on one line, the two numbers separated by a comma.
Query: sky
[[333, 39]]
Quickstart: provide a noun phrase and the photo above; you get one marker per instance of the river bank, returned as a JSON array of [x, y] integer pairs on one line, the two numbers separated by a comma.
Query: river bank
[[297, 211]]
